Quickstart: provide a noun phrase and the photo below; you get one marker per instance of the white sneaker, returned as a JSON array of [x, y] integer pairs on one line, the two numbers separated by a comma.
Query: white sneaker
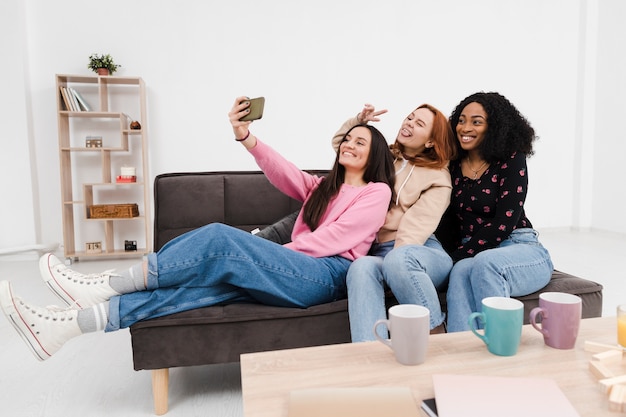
[[44, 330], [74, 288]]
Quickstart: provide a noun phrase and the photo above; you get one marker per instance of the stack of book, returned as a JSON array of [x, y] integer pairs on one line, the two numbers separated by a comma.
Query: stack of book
[[73, 101]]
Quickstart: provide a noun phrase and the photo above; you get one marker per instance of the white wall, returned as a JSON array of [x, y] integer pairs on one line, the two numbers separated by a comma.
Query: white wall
[[316, 64], [609, 198], [18, 222]]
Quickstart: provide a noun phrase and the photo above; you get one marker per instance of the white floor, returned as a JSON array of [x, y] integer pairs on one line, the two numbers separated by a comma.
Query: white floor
[[93, 375]]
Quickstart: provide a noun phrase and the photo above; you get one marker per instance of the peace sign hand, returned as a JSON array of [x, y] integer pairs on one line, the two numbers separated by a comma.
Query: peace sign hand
[[369, 114]]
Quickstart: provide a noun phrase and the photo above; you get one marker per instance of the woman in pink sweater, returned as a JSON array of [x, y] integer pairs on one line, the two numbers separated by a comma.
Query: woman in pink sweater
[[217, 263]]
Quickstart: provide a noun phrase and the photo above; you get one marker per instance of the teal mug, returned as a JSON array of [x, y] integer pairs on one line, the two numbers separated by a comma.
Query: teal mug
[[502, 318]]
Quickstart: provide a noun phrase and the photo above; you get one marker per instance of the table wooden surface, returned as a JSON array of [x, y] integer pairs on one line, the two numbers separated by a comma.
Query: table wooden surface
[[269, 377]]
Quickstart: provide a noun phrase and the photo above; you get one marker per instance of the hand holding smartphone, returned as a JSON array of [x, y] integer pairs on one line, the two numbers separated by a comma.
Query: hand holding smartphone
[[256, 109]]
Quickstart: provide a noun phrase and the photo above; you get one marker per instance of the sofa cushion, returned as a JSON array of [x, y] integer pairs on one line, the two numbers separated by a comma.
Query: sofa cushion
[[187, 201], [280, 232], [219, 334], [589, 291]]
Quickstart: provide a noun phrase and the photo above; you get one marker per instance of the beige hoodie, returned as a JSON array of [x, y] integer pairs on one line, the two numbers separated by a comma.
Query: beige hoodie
[[422, 196]]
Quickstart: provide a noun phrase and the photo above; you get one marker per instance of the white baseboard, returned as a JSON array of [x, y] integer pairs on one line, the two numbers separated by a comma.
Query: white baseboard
[[29, 251]]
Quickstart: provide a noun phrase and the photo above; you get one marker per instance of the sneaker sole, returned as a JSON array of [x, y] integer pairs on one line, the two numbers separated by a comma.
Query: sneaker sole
[[51, 282], [16, 320]]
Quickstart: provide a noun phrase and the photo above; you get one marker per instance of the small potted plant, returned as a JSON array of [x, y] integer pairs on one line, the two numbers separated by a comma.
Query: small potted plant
[[102, 64]]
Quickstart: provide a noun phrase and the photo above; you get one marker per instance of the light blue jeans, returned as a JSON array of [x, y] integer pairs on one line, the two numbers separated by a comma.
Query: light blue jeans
[[218, 263], [518, 266], [414, 273]]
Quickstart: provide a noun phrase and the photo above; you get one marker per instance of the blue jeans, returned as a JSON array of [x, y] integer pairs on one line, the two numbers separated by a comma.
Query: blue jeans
[[218, 263], [518, 266], [414, 273]]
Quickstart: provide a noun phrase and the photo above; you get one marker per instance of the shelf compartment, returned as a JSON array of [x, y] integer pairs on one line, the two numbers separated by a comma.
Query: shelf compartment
[[113, 193], [103, 124]]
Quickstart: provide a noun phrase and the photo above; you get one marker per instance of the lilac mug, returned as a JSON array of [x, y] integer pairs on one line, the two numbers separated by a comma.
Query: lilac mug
[[560, 318]]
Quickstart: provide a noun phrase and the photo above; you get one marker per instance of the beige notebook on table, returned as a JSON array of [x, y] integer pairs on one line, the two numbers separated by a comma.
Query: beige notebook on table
[[348, 402], [492, 396]]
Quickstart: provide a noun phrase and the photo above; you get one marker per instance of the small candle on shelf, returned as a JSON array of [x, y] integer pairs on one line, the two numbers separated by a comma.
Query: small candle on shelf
[[128, 174], [128, 171]]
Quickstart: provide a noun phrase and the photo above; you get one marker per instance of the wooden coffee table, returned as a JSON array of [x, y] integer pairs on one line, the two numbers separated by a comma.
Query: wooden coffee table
[[269, 377]]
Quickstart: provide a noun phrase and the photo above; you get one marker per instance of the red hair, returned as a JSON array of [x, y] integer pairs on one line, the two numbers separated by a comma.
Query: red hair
[[444, 146]]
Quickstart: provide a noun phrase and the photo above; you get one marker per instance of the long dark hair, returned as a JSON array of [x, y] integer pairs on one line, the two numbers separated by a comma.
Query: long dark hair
[[507, 130], [379, 168]]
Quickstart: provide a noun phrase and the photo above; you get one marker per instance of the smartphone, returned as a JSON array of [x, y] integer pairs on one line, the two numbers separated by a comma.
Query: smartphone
[[256, 109]]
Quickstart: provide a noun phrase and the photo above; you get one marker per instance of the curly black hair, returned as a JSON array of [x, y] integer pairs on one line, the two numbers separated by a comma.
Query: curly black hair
[[508, 131]]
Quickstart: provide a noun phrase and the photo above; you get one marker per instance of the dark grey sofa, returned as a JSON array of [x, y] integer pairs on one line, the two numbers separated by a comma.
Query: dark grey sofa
[[219, 334]]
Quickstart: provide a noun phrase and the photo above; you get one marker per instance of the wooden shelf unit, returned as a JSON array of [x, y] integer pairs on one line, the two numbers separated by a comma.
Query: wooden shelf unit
[[88, 174]]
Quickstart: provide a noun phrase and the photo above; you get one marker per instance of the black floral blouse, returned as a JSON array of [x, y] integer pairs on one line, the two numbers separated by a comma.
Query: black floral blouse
[[489, 208]]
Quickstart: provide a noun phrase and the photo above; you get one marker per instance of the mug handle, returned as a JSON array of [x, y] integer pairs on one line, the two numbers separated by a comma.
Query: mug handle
[[380, 339], [472, 320], [533, 319]]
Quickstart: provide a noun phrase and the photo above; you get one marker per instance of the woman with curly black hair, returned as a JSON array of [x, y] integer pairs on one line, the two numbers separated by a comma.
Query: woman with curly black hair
[[496, 252]]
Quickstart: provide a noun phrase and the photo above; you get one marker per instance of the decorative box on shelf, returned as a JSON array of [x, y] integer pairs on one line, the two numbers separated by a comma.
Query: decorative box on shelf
[[93, 142], [113, 211], [130, 245], [93, 247]]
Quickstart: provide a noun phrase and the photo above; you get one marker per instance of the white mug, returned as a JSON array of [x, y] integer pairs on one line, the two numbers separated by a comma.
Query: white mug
[[409, 327]]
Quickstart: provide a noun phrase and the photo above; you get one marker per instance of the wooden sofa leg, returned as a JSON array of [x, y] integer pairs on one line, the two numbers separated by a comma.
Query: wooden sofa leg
[[160, 384]]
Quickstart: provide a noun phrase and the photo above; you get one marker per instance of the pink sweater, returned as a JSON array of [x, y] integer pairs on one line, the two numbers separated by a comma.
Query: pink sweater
[[351, 221]]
